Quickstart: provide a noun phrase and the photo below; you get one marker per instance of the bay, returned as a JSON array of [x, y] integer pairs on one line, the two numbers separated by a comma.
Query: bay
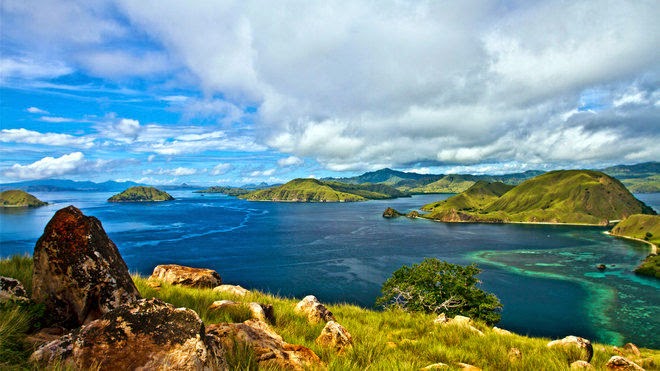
[[544, 275]]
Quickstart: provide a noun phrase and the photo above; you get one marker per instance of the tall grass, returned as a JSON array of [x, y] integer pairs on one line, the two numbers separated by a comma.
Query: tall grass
[[390, 340]]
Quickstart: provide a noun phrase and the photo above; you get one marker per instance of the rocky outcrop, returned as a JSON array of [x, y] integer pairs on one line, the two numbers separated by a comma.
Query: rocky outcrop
[[335, 336], [78, 272], [186, 276], [232, 290], [391, 213], [12, 290], [148, 335], [314, 310], [466, 322], [584, 347], [514, 355], [501, 331], [268, 347], [622, 364]]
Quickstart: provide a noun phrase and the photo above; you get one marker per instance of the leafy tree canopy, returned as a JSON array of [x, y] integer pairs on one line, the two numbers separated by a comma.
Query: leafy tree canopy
[[435, 286]]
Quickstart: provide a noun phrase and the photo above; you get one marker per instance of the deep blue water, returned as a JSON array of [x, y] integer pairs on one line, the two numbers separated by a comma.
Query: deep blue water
[[544, 275]]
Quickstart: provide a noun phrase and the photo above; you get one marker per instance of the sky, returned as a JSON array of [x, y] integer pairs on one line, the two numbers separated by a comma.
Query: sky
[[235, 92]]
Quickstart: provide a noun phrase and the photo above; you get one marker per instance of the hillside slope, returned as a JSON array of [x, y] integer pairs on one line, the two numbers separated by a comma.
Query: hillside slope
[[562, 196], [18, 198], [475, 198], [141, 194], [303, 190]]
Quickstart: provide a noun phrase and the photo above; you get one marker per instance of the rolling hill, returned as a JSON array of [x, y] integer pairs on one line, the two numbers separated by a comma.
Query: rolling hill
[[562, 196], [313, 190]]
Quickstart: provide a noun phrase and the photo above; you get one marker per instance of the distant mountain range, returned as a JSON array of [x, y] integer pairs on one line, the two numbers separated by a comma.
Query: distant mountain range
[[58, 185], [639, 178]]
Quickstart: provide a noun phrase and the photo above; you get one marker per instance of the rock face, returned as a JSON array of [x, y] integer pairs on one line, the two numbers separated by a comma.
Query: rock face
[[335, 336], [78, 272], [269, 348], [314, 310], [586, 350], [148, 335], [620, 363], [232, 289], [11, 290], [186, 276], [391, 213]]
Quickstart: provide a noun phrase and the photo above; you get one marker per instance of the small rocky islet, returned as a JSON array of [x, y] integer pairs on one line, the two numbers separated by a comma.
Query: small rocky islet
[[99, 319]]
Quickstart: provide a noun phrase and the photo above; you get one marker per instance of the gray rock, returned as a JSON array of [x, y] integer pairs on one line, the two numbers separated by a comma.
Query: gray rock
[[186, 276], [314, 310], [586, 350], [12, 290]]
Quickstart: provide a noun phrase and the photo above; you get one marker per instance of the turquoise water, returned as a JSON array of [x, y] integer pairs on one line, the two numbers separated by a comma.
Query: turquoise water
[[544, 275]]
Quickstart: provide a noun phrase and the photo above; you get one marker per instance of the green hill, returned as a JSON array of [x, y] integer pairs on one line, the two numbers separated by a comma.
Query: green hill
[[638, 178], [475, 198], [141, 194], [229, 191], [313, 190], [647, 228], [18, 198], [563, 196]]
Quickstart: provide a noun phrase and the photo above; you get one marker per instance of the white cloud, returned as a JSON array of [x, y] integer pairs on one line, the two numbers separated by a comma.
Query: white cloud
[[55, 119], [289, 161], [50, 139], [220, 169], [47, 167], [120, 64], [179, 171], [37, 110], [262, 173], [24, 68]]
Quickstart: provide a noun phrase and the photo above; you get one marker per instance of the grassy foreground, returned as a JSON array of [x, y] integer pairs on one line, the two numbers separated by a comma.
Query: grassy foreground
[[389, 340]]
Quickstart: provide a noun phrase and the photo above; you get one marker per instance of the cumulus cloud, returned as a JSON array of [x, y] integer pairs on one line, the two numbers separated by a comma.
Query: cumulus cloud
[[289, 161], [47, 167], [262, 173], [50, 139], [371, 84]]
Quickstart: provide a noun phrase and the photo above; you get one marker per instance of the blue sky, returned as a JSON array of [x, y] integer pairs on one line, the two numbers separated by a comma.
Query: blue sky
[[234, 92]]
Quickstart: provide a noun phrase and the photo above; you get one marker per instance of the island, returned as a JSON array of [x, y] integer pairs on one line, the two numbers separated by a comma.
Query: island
[[643, 228], [314, 190], [18, 198], [141, 194], [563, 196], [229, 191]]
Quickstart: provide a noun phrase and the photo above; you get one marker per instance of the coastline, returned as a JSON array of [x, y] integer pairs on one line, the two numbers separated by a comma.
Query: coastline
[[505, 222], [654, 247]]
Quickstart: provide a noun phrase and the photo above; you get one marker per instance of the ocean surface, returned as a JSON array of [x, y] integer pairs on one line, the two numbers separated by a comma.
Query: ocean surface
[[544, 275]]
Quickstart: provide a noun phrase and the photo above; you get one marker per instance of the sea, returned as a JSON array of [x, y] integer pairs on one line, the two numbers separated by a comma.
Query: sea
[[545, 275]]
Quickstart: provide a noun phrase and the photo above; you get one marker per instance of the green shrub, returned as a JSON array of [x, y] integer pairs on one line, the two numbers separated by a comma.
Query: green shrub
[[435, 286]]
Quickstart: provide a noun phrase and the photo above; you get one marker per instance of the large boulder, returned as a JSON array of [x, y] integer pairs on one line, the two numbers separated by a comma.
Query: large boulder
[[269, 349], [12, 290], [186, 276], [78, 272], [335, 336], [314, 310], [577, 348], [148, 335]]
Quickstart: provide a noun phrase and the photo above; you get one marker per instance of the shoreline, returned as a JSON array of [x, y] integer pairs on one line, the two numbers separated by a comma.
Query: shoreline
[[654, 247], [531, 223]]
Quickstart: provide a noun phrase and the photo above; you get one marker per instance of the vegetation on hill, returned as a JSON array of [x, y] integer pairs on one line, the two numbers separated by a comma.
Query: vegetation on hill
[[646, 228], [141, 194], [638, 178], [229, 191], [313, 190], [562, 196], [386, 340], [18, 198], [435, 286]]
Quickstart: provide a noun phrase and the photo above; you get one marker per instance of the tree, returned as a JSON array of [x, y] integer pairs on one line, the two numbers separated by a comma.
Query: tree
[[435, 286]]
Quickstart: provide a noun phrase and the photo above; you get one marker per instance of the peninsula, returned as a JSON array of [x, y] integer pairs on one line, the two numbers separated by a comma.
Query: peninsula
[[563, 196], [141, 194], [18, 198], [644, 228]]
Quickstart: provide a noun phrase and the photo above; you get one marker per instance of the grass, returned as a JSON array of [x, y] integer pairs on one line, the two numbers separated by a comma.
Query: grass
[[382, 340], [18, 198], [140, 193]]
